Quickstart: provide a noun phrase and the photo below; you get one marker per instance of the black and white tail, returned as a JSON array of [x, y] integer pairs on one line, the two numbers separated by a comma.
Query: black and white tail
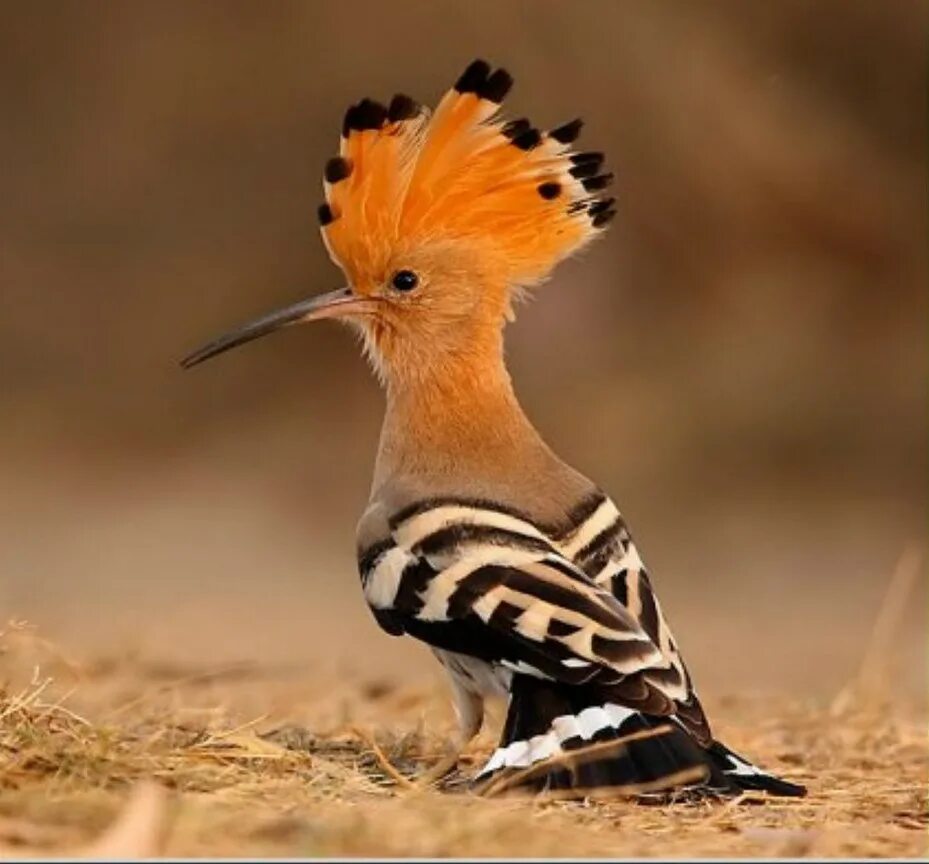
[[750, 778], [571, 740]]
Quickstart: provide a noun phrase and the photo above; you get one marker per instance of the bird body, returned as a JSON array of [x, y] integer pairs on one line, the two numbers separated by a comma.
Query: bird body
[[516, 569]]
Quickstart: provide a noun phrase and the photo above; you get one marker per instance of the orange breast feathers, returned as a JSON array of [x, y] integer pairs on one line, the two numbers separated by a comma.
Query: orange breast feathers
[[405, 177]]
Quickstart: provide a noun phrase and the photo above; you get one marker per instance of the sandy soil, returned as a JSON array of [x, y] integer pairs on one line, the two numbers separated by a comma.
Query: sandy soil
[[265, 761]]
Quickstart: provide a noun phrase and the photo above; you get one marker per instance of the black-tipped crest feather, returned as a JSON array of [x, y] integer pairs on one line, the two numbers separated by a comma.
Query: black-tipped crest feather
[[528, 140], [337, 169], [567, 133], [402, 107], [325, 215], [473, 78], [496, 86]]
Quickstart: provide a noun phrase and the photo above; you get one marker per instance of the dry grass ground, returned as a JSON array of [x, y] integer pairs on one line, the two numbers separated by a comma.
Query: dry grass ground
[[278, 762]]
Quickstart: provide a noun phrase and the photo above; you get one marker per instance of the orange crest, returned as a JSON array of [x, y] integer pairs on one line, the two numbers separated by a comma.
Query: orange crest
[[404, 177]]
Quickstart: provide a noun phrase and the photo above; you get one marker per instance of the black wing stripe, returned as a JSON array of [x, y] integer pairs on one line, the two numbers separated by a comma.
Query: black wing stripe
[[566, 568], [504, 616], [619, 588], [470, 589], [649, 616], [559, 629], [668, 679], [527, 583], [602, 545], [413, 585], [623, 652]]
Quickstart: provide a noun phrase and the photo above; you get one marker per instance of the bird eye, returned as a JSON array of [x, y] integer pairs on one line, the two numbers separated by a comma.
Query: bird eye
[[404, 280]]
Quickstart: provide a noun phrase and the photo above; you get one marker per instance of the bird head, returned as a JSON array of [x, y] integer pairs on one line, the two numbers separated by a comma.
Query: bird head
[[440, 220]]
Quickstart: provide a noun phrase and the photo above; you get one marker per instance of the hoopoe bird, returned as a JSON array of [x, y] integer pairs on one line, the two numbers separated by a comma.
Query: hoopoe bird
[[517, 571]]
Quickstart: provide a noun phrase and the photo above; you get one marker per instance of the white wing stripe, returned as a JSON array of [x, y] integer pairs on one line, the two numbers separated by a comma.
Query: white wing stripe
[[618, 714], [601, 519], [591, 721], [610, 569], [544, 746], [586, 724], [442, 586], [523, 668], [566, 727], [384, 580], [631, 560], [484, 607], [742, 768], [533, 623], [418, 527]]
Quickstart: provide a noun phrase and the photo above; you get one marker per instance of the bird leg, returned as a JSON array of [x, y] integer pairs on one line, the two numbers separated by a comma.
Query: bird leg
[[469, 709]]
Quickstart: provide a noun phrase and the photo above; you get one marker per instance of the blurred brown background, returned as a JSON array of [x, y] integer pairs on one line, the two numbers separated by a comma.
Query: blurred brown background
[[741, 361]]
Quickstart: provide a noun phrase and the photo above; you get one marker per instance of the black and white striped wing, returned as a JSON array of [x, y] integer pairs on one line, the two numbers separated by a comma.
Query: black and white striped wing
[[600, 544], [490, 584]]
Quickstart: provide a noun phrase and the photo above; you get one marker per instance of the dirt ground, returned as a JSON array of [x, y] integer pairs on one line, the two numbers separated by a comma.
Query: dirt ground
[[274, 761]]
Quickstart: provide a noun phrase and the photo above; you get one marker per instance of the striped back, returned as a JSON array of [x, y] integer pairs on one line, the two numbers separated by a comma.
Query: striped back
[[570, 602]]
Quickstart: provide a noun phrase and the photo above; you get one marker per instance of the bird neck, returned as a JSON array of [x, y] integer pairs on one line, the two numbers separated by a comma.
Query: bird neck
[[456, 419]]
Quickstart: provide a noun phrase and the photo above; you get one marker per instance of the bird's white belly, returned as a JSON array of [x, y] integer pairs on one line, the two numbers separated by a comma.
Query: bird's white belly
[[476, 676]]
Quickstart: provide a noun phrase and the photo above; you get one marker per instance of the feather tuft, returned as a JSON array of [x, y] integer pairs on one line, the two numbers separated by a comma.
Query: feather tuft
[[519, 196]]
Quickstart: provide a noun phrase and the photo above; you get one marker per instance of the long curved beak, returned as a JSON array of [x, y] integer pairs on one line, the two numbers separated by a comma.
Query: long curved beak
[[335, 304]]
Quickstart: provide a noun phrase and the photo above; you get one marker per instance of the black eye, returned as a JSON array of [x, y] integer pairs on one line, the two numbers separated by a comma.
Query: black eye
[[405, 280]]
